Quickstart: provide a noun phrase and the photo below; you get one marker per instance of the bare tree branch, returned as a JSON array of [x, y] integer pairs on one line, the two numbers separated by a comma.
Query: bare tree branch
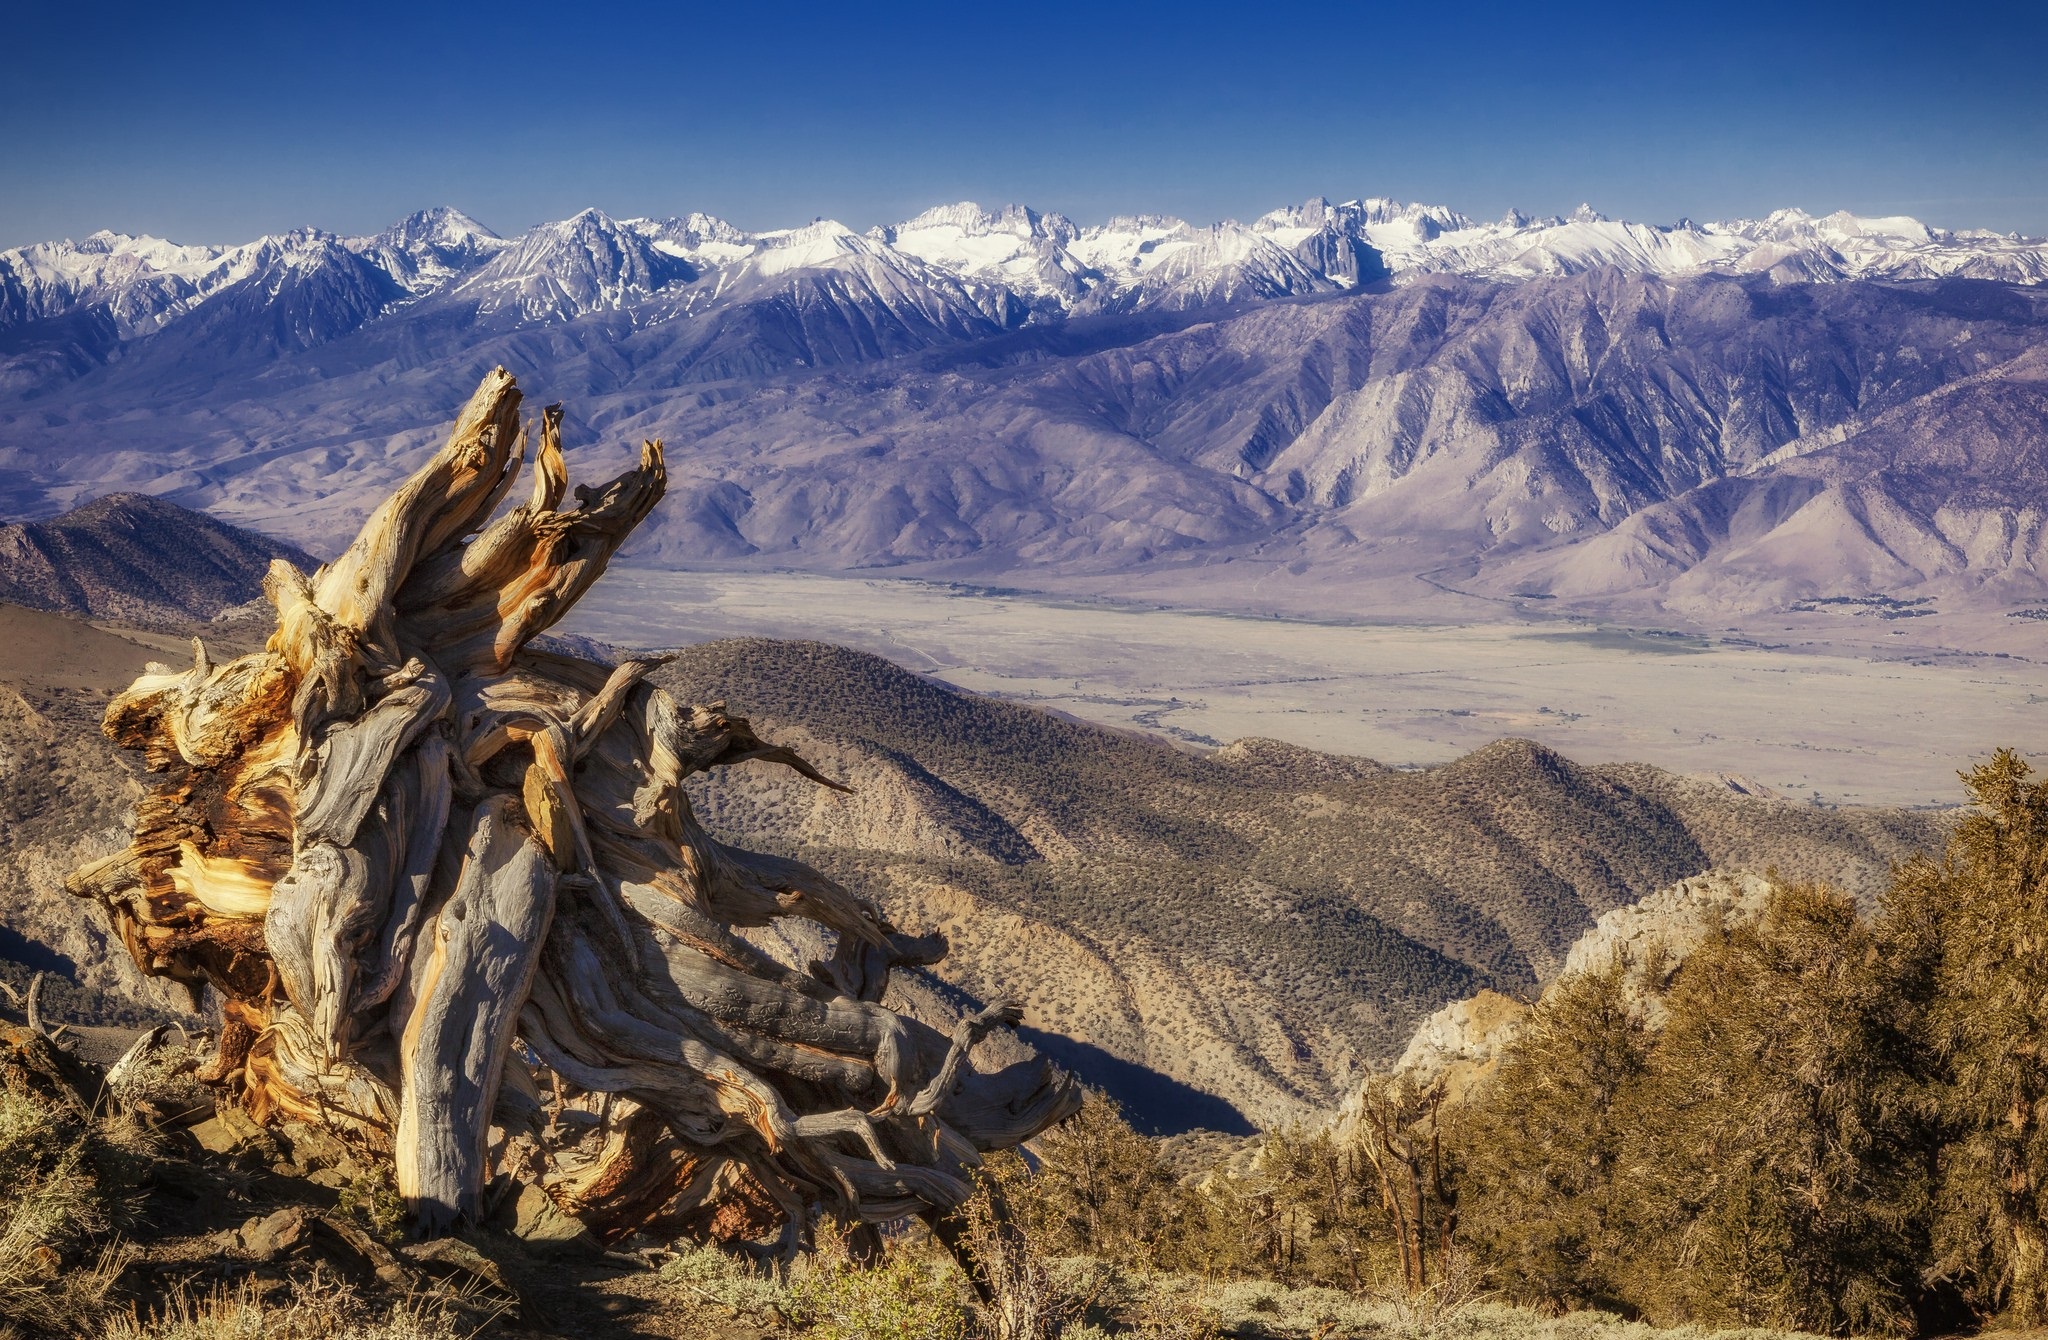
[[456, 905]]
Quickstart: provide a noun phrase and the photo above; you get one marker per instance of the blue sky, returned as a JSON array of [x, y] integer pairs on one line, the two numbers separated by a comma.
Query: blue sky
[[217, 126]]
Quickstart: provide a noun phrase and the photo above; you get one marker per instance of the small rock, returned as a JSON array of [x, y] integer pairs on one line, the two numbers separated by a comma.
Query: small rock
[[381, 1259], [267, 1237], [213, 1136], [452, 1258], [231, 1131], [543, 1227]]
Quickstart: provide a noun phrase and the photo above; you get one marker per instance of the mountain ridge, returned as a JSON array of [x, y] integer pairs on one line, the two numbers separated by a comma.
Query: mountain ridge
[[1365, 402], [1020, 265], [130, 556]]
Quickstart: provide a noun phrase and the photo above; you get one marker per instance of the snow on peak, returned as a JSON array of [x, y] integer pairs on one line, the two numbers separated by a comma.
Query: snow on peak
[[441, 226], [585, 263], [1015, 247], [1012, 263], [707, 228], [425, 249], [701, 239], [817, 244], [143, 283]]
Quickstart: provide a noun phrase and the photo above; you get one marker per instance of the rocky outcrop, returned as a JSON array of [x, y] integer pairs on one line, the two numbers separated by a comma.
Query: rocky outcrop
[[1460, 1044], [1652, 938]]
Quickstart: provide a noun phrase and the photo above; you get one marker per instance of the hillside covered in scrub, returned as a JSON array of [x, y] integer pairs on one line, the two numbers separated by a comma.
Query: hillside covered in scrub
[[1223, 940], [1727, 1061], [1745, 1107], [1261, 922], [132, 556]]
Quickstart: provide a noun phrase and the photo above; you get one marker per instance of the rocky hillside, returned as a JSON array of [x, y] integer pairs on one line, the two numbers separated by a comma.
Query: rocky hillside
[[131, 556], [1220, 939], [1256, 924], [1604, 433]]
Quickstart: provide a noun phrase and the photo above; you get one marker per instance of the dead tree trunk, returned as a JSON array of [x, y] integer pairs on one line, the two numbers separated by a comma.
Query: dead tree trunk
[[453, 898], [1400, 1134]]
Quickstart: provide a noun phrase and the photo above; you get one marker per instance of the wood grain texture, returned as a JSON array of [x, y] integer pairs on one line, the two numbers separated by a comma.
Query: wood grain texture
[[454, 900]]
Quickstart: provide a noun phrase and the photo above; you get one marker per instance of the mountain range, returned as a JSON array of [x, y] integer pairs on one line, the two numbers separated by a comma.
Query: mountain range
[[1352, 401]]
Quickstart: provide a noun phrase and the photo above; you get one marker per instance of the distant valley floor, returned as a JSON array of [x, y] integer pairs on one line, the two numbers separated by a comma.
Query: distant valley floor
[[1839, 703]]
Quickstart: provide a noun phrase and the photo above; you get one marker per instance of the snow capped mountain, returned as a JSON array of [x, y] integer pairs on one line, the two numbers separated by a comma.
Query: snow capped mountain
[[585, 263], [69, 307], [141, 283], [698, 238], [1016, 248], [425, 250], [892, 278], [1790, 245], [1576, 406], [1793, 245], [792, 297]]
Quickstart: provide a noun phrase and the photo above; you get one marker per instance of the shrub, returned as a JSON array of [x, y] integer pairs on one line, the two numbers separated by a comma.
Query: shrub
[[1782, 1171], [1543, 1145], [1759, 1161], [907, 1295], [709, 1274]]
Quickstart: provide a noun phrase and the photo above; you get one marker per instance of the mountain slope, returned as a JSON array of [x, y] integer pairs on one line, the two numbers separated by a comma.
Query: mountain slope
[[129, 556], [1218, 939], [1947, 492], [1256, 924], [1563, 436], [1352, 400]]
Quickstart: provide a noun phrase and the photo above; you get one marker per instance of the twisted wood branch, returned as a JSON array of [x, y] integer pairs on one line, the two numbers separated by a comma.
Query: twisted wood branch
[[455, 904]]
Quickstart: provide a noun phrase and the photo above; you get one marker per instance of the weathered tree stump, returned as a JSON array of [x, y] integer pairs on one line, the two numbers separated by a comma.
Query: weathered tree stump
[[453, 900]]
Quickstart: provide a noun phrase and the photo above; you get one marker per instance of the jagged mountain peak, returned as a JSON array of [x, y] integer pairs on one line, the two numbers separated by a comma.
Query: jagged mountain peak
[[429, 247], [1379, 209], [695, 229], [1012, 265], [970, 217], [588, 262], [817, 230], [1795, 225], [819, 243], [586, 221], [1160, 224], [1315, 212], [441, 225], [106, 241]]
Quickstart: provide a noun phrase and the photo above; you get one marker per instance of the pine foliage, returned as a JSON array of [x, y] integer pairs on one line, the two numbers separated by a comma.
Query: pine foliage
[[1817, 1120]]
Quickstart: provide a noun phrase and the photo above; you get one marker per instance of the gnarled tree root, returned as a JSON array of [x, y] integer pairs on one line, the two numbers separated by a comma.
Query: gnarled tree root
[[454, 901]]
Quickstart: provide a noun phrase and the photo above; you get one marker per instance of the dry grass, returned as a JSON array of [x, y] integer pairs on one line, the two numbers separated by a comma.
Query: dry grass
[[316, 1308], [700, 1275], [55, 1212]]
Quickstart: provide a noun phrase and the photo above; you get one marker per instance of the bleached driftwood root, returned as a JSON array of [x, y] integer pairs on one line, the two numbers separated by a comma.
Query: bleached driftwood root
[[453, 899]]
